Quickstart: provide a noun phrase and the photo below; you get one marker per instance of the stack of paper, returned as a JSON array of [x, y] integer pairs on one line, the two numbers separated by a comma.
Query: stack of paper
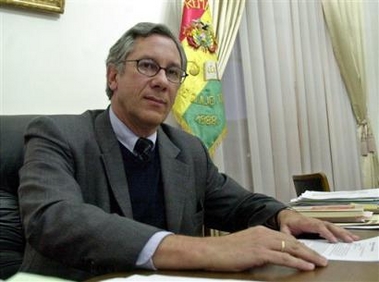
[[368, 198], [348, 208]]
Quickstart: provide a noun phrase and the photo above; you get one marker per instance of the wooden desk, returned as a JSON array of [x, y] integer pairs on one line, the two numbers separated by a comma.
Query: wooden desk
[[337, 271]]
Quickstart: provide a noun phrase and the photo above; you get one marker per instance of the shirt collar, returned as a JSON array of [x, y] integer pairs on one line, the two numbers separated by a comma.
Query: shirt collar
[[124, 135]]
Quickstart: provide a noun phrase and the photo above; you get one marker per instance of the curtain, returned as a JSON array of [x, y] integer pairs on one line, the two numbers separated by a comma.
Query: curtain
[[226, 21], [344, 20], [371, 37], [287, 107]]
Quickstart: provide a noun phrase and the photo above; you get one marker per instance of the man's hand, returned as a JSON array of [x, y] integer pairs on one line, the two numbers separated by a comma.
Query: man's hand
[[238, 251], [294, 223]]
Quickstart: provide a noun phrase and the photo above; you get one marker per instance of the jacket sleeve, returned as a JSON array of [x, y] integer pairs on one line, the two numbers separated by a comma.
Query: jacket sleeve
[[65, 215], [222, 202], [231, 207]]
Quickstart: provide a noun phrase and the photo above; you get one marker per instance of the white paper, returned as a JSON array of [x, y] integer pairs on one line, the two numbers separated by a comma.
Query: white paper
[[363, 250], [356, 194], [166, 278], [365, 227]]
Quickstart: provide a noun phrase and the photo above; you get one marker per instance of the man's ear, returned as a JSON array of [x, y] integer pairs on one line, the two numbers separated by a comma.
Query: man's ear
[[112, 77]]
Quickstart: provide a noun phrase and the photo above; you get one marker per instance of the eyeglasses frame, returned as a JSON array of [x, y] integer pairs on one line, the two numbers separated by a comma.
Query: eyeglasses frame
[[183, 77]]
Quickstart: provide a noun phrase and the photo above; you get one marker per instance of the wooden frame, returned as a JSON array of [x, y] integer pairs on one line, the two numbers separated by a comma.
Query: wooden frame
[[54, 6]]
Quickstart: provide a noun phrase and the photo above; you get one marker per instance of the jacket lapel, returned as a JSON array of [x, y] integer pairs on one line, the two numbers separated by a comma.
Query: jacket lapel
[[113, 164], [175, 178], [174, 172]]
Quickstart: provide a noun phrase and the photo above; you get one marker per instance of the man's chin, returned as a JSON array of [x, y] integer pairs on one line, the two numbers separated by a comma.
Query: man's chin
[[154, 118]]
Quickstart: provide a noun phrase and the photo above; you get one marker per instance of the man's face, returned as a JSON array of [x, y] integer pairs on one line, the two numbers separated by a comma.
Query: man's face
[[143, 102]]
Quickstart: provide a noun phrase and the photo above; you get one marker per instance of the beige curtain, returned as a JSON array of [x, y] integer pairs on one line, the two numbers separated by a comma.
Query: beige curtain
[[286, 105], [226, 21], [345, 25]]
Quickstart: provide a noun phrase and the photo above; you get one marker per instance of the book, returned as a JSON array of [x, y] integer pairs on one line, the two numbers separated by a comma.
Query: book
[[335, 213], [372, 223]]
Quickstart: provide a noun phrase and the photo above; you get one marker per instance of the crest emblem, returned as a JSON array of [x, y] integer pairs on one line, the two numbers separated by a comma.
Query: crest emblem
[[200, 35]]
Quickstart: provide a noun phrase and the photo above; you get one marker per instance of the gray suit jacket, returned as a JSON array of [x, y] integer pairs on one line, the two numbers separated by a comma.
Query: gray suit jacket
[[75, 205]]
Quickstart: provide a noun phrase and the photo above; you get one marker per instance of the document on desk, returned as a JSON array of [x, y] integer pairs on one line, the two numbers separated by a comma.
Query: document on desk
[[363, 250], [365, 194], [167, 278]]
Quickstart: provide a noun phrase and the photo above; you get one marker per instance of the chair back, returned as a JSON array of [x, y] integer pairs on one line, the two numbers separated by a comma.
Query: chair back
[[311, 182], [12, 241]]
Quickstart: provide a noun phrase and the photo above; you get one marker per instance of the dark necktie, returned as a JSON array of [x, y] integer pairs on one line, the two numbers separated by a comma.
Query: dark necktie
[[143, 149]]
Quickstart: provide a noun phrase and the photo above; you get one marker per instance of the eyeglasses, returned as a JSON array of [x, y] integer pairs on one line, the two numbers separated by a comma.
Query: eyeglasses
[[151, 68]]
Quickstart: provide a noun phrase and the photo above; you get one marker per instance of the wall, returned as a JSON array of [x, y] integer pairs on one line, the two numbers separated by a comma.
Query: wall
[[52, 63]]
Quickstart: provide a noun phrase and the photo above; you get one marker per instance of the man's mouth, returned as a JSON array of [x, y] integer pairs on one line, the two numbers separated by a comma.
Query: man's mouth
[[156, 100]]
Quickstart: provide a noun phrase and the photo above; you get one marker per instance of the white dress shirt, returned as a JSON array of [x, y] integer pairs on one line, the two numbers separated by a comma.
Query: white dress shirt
[[127, 138]]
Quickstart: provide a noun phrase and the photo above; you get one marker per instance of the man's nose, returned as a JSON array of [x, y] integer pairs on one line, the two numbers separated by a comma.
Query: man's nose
[[162, 75]]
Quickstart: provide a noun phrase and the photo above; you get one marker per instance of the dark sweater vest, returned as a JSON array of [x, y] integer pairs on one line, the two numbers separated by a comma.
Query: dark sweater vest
[[145, 188]]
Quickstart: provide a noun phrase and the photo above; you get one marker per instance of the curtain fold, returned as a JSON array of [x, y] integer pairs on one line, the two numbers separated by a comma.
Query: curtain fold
[[226, 21], [287, 108], [345, 25], [286, 104], [371, 50]]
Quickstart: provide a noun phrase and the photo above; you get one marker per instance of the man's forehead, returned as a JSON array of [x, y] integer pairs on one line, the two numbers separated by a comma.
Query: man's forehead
[[156, 45]]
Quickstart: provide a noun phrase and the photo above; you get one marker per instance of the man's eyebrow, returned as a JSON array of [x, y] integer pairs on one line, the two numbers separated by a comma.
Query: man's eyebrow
[[172, 64]]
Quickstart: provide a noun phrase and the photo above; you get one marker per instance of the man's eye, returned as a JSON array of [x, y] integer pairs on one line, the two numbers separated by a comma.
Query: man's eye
[[173, 72], [148, 65]]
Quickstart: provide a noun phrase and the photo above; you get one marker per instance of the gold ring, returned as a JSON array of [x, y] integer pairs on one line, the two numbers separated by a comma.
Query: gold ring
[[283, 246]]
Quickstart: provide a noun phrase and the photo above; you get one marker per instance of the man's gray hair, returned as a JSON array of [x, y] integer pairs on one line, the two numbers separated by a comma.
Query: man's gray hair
[[124, 46]]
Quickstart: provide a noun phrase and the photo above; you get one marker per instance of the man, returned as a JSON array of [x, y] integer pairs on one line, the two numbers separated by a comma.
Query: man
[[91, 204]]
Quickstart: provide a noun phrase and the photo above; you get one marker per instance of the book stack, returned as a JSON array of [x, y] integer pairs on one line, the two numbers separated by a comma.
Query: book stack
[[368, 198], [336, 213], [358, 207]]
